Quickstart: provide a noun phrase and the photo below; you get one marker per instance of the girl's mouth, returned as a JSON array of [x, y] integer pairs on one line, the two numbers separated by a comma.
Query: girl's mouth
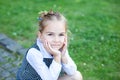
[[56, 46]]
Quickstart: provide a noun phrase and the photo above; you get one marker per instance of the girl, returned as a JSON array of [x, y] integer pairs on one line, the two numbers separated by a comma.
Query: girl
[[48, 58]]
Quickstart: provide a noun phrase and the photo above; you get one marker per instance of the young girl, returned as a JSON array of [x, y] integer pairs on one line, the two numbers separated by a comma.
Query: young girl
[[48, 58]]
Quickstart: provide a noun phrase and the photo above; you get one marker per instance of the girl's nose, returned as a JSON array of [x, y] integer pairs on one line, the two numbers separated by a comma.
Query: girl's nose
[[56, 39]]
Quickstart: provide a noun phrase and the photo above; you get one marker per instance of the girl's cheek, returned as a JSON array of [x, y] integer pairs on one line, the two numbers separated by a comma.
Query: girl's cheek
[[63, 40]]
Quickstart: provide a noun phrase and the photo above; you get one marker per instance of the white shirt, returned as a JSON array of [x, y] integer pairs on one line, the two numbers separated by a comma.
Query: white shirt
[[35, 58]]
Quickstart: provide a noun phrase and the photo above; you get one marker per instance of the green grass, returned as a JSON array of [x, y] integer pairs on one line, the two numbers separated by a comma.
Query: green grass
[[95, 27]]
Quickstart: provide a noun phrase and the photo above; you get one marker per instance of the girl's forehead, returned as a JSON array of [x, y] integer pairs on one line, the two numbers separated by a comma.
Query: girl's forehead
[[58, 26], [55, 21], [55, 24]]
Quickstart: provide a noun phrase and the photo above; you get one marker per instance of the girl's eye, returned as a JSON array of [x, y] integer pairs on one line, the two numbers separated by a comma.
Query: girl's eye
[[61, 34], [50, 34]]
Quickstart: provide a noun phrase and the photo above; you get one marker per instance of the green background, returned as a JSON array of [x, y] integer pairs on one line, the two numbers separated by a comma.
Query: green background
[[94, 24]]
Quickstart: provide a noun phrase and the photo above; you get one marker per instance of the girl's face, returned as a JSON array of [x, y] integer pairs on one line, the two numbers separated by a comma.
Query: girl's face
[[54, 33]]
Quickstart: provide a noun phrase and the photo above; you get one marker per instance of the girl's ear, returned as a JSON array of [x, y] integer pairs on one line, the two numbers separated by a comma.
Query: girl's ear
[[39, 34]]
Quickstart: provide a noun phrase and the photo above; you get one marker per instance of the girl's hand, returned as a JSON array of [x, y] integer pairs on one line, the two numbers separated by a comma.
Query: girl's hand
[[64, 48], [56, 53], [51, 50], [63, 51]]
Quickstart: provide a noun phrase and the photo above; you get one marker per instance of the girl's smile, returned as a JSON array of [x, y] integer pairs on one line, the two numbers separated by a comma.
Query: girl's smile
[[56, 46]]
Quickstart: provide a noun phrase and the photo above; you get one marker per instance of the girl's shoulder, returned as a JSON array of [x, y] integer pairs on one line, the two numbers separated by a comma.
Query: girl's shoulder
[[34, 52]]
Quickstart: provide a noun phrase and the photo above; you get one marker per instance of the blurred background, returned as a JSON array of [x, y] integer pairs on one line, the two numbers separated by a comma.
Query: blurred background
[[94, 24]]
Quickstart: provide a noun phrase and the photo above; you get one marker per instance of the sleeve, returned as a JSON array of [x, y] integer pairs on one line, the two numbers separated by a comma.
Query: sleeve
[[70, 68], [35, 58]]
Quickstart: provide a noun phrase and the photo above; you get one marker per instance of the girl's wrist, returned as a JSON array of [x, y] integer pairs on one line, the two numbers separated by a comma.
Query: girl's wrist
[[58, 54], [57, 59], [64, 59]]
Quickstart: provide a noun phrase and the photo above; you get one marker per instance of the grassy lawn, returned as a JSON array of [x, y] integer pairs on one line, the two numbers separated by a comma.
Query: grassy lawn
[[95, 27]]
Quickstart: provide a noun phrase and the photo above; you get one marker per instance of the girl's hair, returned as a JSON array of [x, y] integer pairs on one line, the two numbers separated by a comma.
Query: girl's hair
[[45, 16]]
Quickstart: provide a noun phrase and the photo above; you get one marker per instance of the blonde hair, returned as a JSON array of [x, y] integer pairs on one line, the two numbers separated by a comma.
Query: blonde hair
[[45, 16]]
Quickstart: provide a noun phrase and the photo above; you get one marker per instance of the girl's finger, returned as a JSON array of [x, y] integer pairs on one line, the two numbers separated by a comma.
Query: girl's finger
[[46, 46], [64, 46], [49, 47]]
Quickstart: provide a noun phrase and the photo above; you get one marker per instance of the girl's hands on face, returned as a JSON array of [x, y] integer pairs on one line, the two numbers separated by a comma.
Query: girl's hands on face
[[52, 51], [55, 52]]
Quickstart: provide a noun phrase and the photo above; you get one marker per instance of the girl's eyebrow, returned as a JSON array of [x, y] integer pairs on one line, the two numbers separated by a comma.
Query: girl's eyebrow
[[60, 32], [49, 32]]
